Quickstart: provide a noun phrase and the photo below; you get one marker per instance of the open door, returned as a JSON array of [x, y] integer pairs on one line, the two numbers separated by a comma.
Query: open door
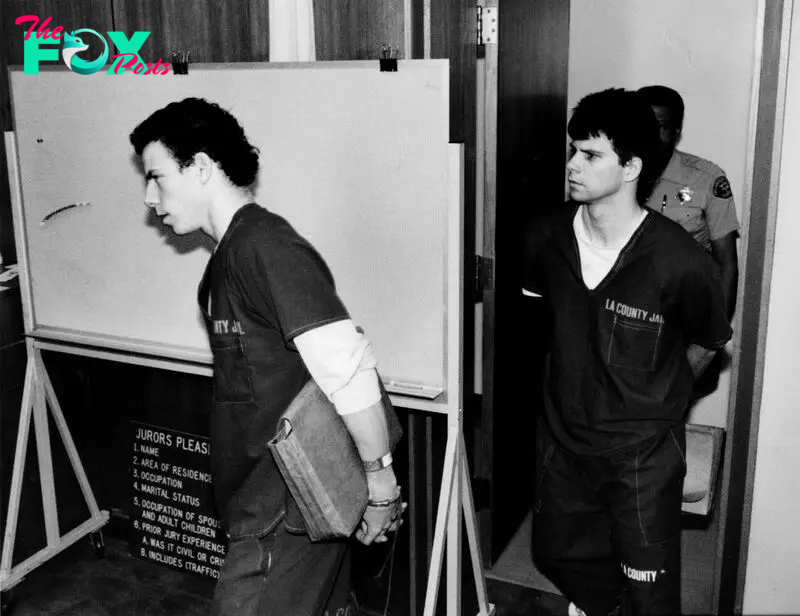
[[524, 93]]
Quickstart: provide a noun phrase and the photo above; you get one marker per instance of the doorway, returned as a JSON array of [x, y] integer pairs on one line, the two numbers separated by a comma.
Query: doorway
[[549, 55]]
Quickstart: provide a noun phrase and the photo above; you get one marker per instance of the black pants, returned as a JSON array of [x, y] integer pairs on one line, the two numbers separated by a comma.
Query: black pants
[[607, 531]]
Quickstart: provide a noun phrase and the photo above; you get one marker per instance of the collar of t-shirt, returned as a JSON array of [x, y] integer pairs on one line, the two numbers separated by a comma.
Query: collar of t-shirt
[[597, 261]]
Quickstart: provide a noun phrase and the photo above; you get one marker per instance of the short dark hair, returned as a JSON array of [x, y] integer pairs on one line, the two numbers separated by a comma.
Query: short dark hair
[[196, 125], [662, 96], [623, 117]]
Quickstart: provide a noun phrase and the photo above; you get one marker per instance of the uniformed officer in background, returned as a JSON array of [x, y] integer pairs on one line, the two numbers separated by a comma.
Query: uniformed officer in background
[[694, 192]]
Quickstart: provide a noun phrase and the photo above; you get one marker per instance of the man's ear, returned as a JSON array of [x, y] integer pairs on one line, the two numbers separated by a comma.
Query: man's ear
[[632, 169], [204, 166]]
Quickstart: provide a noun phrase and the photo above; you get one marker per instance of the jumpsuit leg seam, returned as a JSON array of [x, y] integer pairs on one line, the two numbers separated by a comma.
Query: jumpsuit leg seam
[[638, 502], [675, 440]]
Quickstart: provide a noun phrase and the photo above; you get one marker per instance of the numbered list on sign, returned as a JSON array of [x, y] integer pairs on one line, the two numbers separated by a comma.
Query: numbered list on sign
[[174, 520]]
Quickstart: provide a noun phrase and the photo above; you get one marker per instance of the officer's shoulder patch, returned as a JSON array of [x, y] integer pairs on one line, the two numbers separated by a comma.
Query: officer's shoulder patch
[[722, 188]]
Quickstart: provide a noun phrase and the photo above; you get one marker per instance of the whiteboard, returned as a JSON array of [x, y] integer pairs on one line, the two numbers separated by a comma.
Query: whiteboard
[[356, 159]]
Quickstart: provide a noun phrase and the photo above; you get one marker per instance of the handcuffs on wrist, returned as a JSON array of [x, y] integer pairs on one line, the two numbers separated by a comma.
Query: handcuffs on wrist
[[384, 503], [373, 466]]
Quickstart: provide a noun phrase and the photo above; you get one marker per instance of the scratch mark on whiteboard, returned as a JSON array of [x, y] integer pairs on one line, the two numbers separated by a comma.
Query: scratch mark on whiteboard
[[62, 209]]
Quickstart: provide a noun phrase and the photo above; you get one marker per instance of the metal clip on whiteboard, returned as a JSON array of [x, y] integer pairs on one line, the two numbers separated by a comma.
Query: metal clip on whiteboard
[[388, 59], [180, 62]]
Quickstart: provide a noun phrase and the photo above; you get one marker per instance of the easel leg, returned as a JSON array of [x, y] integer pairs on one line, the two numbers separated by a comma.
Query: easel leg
[[44, 453], [20, 454], [37, 394], [455, 498], [435, 570], [454, 532], [486, 608], [69, 444]]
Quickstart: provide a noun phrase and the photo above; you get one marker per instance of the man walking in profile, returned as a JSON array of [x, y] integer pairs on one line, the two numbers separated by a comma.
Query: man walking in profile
[[274, 320]]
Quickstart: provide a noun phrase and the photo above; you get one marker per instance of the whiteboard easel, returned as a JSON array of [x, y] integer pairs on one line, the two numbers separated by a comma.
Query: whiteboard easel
[[37, 396]]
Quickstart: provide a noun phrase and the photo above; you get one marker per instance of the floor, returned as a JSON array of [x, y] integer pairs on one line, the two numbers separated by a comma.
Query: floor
[[515, 564], [78, 583]]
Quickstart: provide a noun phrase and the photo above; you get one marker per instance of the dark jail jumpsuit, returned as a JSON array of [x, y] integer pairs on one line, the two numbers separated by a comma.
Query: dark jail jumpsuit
[[263, 286], [611, 440]]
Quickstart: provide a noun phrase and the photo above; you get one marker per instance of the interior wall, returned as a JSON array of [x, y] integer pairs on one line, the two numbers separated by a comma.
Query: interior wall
[[704, 50], [771, 573]]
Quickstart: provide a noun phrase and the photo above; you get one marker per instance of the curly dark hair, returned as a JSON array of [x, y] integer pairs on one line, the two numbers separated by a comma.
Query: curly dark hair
[[628, 122], [196, 125]]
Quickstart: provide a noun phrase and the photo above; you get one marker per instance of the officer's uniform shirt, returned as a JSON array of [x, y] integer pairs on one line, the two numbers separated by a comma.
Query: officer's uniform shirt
[[696, 194]]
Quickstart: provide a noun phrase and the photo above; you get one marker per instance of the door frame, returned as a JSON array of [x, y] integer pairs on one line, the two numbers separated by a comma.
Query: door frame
[[738, 477]]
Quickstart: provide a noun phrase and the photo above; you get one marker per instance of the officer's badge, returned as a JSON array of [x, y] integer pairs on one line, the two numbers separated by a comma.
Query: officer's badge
[[685, 195], [722, 188]]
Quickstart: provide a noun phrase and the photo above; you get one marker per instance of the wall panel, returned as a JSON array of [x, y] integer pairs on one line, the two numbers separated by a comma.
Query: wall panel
[[213, 31], [356, 29]]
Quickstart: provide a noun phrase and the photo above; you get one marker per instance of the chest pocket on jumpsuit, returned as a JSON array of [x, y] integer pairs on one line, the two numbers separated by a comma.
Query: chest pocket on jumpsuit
[[232, 382], [633, 343]]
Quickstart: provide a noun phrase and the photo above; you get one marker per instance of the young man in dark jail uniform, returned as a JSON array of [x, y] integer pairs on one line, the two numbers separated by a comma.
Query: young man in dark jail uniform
[[638, 313], [694, 192], [274, 320]]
